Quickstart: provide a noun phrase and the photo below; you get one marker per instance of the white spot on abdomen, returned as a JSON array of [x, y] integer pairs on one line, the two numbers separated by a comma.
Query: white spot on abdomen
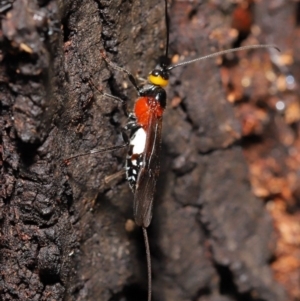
[[138, 140]]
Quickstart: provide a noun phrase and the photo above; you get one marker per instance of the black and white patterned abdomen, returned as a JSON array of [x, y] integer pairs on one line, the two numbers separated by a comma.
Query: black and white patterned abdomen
[[134, 159]]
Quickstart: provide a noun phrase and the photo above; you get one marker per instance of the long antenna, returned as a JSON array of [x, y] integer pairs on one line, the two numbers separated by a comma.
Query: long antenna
[[148, 263], [222, 53], [167, 28]]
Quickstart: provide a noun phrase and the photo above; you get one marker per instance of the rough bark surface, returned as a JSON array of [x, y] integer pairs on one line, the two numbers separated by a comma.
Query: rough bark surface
[[65, 234]]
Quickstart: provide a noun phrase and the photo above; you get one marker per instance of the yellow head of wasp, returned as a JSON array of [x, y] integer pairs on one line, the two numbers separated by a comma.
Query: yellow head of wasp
[[159, 77]]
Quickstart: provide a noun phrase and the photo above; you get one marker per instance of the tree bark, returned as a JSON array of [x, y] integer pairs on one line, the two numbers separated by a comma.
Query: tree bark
[[66, 234]]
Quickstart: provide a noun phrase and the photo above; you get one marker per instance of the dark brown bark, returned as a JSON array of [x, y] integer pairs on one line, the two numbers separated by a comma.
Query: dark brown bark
[[63, 231]]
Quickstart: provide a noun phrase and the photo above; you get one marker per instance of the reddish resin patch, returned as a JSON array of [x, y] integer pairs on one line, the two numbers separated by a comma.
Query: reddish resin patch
[[144, 107]]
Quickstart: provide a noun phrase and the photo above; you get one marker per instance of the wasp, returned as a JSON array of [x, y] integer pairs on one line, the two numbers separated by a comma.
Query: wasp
[[142, 134]]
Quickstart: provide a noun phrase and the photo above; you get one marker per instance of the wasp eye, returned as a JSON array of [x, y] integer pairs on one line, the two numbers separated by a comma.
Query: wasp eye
[[155, 72]]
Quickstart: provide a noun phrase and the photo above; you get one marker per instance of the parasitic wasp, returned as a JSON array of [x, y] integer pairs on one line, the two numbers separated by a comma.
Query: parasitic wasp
[[142, 133]]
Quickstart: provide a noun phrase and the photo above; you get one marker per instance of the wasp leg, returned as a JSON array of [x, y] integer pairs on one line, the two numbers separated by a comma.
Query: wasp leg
[[121, 172], [131, 124], [120, 100], [125, 136], [116, 67], [114, 176], [97, 151]]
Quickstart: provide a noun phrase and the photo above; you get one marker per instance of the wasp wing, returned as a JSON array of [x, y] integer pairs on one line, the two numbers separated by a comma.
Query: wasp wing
[[148, 174]]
